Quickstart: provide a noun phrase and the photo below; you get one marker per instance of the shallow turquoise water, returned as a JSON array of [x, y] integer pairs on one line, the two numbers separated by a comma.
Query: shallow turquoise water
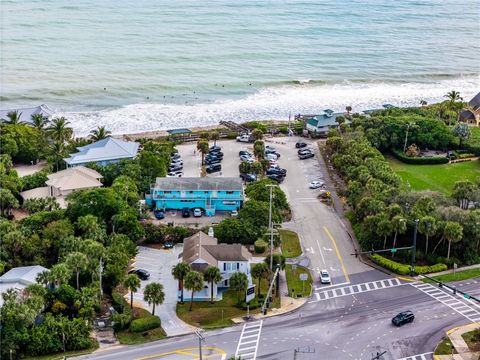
[[142, 65]]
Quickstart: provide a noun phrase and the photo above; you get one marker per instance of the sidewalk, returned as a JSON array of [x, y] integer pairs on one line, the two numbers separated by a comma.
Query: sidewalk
[[287, 303], [461, 347]]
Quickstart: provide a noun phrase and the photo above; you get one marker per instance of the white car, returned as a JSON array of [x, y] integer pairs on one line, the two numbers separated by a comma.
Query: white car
[[176, 162], [325, 277], [175, 174], [270, 147], [197, 212], [243, 138], [271, 157], [316, 184]]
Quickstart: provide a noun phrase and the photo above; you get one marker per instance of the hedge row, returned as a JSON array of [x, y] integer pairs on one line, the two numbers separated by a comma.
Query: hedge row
[[404, 269], [145, 323], [419, 160], [260, 246]]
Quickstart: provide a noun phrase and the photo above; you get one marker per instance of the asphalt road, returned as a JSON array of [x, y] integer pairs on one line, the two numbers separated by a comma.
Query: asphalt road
[[348, 327]]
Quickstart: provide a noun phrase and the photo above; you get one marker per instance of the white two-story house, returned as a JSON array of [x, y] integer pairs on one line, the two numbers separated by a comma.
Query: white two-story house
[[201, 251]]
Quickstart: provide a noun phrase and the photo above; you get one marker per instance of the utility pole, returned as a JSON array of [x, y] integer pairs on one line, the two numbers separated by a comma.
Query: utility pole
[[200, 339], [270, 226], [379, 355], [100, 270], [414, 247]]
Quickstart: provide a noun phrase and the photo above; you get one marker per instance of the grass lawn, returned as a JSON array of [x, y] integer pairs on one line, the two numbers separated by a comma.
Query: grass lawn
[[59, 356], [294, 282], [472, 338], [440, 177], [131, 338], [217, 315], [459, 275], [290, 243], [444, 347]]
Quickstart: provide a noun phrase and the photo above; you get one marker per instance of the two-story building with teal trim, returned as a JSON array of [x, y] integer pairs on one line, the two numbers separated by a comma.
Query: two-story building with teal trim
[[209, 194]]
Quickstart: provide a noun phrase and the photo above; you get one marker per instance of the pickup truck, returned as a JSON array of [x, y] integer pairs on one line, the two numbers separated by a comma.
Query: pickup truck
[[244, 138]]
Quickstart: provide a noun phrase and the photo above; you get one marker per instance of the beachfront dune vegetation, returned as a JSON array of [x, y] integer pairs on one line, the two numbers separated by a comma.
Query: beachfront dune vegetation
[[383, 212]]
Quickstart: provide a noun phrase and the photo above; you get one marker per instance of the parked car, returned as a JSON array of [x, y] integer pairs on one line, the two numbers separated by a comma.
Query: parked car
[[159, 214], [274, 177], [244, 138], [175, 156], [185, 212], [270, 156], [277, 170], [304, 151], [177, 163], [218, 154], [211, 161], [306, 156], [325, 277], [197, 212], [270, 148], [174, 168], [178, 173], [245, 152], [316, 184], [451, 155], [168, 245], [234, 213], [248, 160], [300, 144], [214, 148], [248, 177], [245, 157], [403, 318], [142, 274], [214, 168]]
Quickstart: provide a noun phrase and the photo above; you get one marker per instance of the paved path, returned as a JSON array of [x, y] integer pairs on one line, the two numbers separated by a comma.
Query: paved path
[[24, 170], [159, 263]]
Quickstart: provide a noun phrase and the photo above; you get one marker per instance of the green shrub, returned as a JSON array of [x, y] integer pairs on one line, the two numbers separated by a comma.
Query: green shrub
[[121, 321], [466, 155], [419, 160], [260, 246], [145, 323], [118, 301], [404, 269], [283, 130], [253, 304]]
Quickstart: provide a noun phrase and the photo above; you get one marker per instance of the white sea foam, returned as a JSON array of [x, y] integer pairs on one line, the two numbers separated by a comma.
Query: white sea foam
[[268, 103]]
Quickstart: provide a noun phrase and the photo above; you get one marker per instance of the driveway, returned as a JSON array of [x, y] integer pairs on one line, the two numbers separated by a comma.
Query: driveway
[[159, 264]]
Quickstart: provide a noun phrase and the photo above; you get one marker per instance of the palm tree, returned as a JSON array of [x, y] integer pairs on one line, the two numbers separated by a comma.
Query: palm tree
[[428, 227], [259, 271], [39, 121], [153, 294], [13, 118], [257, 134], [399, 227], [59, 130], [132, 283], [423, 103], [59, 274], [214, 135], [193, 282], [99, 133], [348, 109], [259, 150], [212, 275], [453, 96], [43, 278], [202, 146], [453, 232], [239, 282], [77, 262], [179, 272], [57, 153]]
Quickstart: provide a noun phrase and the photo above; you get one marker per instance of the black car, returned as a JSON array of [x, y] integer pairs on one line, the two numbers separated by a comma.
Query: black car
[[214, 149], [214, 168], [304, 151], [173, 168], [159, 214], [212, 161], [218, 155], [168, 245], [175, 157], [277, 178], [185, 212], [142, 274], [300, 145], [215, 153], [248, 177], [277, 171], [403, 318], [306, 156]]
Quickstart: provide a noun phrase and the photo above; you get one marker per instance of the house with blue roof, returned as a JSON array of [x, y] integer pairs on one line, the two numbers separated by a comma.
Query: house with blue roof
[[209, 194], [318, 125], [103, 152]]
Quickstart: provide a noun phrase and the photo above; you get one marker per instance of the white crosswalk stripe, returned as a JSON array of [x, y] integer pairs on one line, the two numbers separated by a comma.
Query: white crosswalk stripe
[[249, 339], [424, 356], [453, 301], [355, 289]]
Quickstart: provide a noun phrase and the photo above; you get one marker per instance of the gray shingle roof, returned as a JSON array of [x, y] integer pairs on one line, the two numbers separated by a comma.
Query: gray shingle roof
[[195, 183], [475, 102], [106, 149]]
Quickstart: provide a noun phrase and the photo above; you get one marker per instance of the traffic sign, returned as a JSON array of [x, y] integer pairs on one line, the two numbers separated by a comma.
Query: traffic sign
[[250, 293], [303, 276], [466, 296], [393, 250]]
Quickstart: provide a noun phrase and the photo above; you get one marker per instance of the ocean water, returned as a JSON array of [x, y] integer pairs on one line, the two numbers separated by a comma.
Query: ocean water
[[155, 64]]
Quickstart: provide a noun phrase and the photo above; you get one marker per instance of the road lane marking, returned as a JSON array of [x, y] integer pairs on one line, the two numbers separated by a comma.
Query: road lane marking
[[329, 286], [319, 249], [424, 356], [246, 352], [355, 289], [338, 253], [220, 353]]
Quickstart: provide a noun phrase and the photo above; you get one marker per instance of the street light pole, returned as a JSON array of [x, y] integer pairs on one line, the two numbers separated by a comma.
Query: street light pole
[[414, 250]]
